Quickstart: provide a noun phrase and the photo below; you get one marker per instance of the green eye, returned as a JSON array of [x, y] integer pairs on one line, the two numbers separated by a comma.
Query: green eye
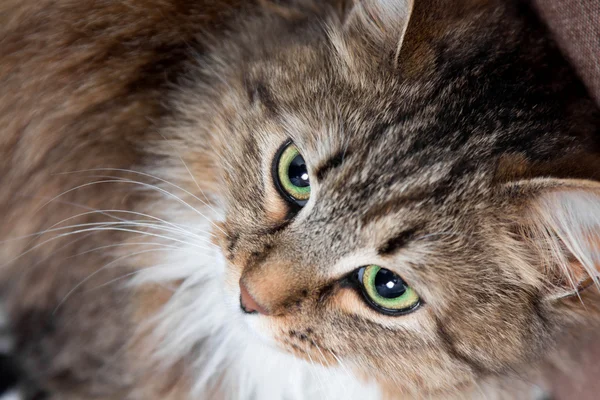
[[386, 291], [291, 175]]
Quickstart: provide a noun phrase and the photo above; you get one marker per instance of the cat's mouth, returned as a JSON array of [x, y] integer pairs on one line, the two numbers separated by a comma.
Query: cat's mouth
[[295, 343], [301, 344], [270, 330], [252, 321]]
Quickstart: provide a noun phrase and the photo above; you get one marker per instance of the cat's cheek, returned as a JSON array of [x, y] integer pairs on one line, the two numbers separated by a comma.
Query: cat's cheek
[[350, 302]]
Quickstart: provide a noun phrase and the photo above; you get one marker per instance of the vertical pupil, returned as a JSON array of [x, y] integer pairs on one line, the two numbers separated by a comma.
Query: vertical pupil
[[298, 173], [388, 284]]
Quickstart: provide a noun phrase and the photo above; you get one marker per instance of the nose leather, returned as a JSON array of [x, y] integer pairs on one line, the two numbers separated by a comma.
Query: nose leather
[[248, 304]]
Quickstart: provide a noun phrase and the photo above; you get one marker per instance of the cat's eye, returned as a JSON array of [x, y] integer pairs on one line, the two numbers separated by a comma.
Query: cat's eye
[[291, 174], [386, 291]]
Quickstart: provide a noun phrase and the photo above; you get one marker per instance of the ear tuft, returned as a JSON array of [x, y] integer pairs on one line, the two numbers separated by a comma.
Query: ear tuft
[[382, 20], [379, 16], [564, 221]]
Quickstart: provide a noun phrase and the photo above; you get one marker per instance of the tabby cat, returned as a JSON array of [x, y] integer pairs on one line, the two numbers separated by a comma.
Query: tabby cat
[[368, 199]]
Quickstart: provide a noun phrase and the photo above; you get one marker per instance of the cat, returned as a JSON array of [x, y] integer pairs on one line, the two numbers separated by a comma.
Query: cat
[[293, 200]]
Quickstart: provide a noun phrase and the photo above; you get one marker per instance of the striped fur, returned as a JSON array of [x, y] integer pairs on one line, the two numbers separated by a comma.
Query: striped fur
[[447, 140]]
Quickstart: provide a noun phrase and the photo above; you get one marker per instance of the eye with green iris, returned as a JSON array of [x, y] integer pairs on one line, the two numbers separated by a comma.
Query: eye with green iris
[[386, 291], [291, 174]]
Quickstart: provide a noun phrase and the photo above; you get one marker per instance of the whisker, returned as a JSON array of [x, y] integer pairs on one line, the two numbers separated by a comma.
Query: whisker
[[124, 276], [342, 365], [170, 194], [110, 246], [92, 210], [197, 184], [324, 363], [140, 223], [322, 356], [53, 253], [203, 202], [97, 229], [188, 171], [100, 270], [153, 177], [108, 211], [321, 383], [102, 212], [147, 185]]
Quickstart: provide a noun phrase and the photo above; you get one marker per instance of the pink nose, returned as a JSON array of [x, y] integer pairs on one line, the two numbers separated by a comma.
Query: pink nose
[[247, 302]]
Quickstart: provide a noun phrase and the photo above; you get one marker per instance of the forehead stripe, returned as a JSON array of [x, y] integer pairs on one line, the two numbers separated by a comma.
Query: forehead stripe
[[397, 242], [331, 163], [395, 203], [258, 91]]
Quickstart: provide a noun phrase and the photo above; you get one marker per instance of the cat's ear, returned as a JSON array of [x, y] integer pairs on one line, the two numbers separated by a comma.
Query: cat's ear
[[560, 219], [381, 20]]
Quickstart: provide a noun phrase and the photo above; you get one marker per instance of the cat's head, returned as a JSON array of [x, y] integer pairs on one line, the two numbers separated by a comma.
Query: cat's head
[[399, 182]]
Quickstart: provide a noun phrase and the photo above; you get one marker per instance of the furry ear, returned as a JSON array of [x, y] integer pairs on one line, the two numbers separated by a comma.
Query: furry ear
[[385, 20], [562, 222]]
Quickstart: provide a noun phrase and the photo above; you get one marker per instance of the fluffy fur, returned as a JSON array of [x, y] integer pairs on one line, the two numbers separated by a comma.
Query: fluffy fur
[[446, 140]]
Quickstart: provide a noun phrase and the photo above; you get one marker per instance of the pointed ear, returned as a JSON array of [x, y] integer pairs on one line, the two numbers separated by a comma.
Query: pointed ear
[[381, 20], [561, 220]]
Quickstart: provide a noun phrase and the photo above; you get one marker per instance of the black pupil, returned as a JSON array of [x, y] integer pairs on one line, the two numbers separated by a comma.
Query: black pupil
[[297, 172], [389, 285]]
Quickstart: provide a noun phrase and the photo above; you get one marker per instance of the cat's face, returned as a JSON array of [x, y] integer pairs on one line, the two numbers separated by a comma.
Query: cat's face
[[368, 221]]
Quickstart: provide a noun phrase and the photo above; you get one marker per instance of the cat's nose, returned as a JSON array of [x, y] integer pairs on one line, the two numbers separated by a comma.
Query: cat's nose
[[248, 304]]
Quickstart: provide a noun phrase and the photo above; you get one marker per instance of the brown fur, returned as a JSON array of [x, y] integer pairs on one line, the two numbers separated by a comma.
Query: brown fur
[[352, 212], [88, 86], [81, 86]]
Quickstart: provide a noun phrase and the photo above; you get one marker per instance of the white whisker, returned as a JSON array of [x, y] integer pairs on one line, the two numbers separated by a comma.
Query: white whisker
[[321, 383], [100, 270], [106, 212], [111, 246], [130, 274], [156, 187], [342, 365], [109, 211], [134, 223], [324, 363], [56, 251], [62, 228], [147, 185], [96, 229], [188, 171]]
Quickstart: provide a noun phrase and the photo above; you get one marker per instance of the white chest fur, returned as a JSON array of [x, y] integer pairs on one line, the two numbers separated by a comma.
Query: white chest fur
[[203, 319]]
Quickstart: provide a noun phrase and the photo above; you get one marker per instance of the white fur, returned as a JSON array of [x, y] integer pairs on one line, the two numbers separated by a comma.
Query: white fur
[[569, 217], [203, 319]]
